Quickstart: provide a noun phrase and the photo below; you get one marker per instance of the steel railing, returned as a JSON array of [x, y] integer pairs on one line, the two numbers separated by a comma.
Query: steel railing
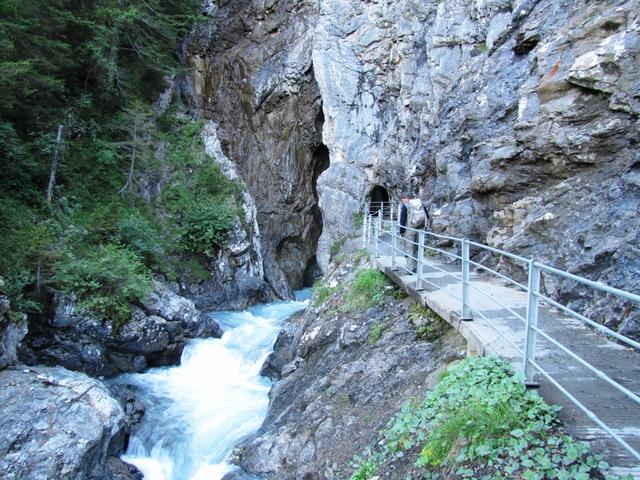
[[382, 231]]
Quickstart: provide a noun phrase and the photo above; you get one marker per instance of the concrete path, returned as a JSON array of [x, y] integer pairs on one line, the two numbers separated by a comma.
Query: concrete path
[[501, 333]]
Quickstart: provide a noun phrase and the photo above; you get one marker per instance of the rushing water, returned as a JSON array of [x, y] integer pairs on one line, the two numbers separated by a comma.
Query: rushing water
[[197, 411]]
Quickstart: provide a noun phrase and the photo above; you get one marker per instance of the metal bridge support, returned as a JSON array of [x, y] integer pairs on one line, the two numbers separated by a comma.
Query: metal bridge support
[[394, 246], [532, 322], [419, 260], [364, 225], [376, 234], [466, 309]]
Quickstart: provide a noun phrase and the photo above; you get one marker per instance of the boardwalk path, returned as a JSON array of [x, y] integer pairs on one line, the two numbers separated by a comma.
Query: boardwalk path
[[620, 363]]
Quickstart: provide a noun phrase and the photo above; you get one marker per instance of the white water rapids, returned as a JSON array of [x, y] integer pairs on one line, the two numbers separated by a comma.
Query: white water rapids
[[197, 411]]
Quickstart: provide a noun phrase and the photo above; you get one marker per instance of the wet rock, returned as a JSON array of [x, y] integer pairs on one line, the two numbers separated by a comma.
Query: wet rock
[[13, 328], [127, 395], [59, 424], [155, 335]]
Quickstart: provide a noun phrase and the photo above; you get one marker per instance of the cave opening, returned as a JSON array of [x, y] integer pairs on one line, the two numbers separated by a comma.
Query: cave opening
[[377, 198]]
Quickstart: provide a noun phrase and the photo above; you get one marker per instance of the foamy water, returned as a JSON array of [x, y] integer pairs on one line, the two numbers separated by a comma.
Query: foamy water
[[198, 411]]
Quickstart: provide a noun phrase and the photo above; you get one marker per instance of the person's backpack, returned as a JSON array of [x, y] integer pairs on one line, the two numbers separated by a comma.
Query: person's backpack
[[416, 214]]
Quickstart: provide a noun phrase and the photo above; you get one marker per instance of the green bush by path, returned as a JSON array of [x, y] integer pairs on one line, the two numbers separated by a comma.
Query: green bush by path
[[480, 422], [367, 290]]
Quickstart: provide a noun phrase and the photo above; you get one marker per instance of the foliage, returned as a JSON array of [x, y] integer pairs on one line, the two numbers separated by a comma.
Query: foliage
[[361, 254], [376, 332], [358, 219], [337, 246], [429, 325], [367, 290], [205, 225], [481, 422], [96, 68], [105, 280], [322, 292]]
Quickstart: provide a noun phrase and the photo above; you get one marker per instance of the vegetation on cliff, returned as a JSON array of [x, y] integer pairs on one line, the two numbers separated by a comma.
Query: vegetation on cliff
[[99, 187]]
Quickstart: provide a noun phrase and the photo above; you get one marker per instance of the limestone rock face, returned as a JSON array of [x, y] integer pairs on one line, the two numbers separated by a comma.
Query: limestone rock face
[[59, 424], [254, 79], [516, 121], [155, 335], [478, 107]]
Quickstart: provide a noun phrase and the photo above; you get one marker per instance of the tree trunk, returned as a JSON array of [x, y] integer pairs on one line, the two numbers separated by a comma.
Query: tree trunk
[[54, 165], [133, 157]]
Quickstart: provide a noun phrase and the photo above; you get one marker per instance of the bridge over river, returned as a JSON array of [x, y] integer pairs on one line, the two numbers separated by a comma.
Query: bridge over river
[[591, 371]]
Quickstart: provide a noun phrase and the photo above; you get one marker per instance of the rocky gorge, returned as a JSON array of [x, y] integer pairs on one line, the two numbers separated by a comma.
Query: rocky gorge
[[516, 121]]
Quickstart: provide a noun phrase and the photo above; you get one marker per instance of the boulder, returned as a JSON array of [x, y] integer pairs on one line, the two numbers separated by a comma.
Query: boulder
[[57, 424], [13, 328], [155, 335]]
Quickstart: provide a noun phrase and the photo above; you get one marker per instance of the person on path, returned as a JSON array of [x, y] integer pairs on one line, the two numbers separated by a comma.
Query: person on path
[[411, 217]]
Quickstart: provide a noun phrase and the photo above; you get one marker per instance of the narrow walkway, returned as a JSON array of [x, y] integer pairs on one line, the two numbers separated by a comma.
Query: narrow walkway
[[620, 363]]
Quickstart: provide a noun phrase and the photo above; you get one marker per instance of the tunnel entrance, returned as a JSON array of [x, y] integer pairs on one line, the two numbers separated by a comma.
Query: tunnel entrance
[[378, 197]]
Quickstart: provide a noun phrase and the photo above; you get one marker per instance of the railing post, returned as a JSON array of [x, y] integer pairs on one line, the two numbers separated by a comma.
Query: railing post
[[532, 322], [466, 309], [376, 235], [419, 259], [394, 246], [364, 224]]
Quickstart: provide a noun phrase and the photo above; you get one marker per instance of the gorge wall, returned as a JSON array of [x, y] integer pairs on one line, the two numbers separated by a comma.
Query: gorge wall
[[253, 77], [516, 121]]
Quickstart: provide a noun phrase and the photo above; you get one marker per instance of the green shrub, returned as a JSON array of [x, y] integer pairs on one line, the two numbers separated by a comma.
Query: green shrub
[[481, 422], [140, 235], [337, 246], [361, 254], [105, 280], [376, 332], [205, 226], [367, 291], [322, 292], [365, 471]]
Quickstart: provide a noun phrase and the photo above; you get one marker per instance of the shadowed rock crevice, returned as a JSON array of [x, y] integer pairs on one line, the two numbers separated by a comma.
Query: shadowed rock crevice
[[266, 104]]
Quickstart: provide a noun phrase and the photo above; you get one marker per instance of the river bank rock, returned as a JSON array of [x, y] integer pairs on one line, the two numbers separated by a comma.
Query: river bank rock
[[13, 328], [342, 376], [155, 335], [57, 424]]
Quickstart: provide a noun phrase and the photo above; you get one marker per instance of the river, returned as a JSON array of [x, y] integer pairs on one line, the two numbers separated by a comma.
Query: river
[[197, 411]]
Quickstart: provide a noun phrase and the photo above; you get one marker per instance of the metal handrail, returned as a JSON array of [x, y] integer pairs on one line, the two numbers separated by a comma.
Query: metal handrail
[[378, 225]]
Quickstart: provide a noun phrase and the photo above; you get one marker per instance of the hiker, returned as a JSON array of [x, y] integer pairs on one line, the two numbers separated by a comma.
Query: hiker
[[413, 214]]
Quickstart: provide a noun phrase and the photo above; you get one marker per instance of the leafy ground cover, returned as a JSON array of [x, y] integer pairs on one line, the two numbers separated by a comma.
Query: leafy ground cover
[[480, 422]]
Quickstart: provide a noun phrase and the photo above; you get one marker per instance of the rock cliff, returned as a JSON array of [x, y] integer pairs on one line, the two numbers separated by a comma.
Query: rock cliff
[[341, 376], [253, 77], [517, 121]]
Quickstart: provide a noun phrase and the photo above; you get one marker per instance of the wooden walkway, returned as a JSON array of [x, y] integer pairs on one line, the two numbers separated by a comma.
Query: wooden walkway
[[503, 335]]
